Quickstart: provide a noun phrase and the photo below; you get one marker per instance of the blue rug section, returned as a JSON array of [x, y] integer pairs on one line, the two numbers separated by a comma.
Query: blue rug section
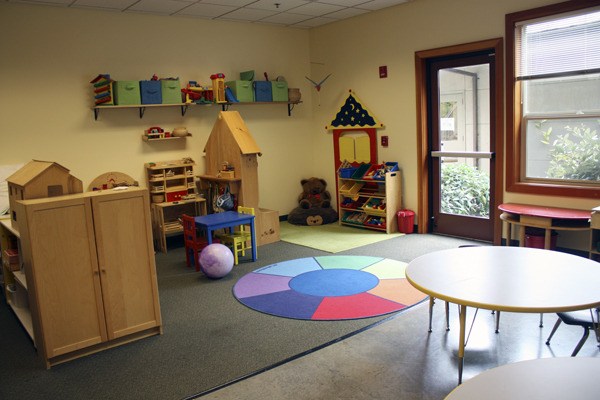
[[334, 282], [289, 304]]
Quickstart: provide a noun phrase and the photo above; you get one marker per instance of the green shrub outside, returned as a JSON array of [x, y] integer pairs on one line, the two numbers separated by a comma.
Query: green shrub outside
[[465, 190]]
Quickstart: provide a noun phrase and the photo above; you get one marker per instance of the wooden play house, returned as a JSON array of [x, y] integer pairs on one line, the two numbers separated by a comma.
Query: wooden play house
[[231, 156], [39, 179]]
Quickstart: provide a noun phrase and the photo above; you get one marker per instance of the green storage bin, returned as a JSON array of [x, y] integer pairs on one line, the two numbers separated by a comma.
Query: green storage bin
[[279, 90], [127, 93], [242, 90], [171, 91]]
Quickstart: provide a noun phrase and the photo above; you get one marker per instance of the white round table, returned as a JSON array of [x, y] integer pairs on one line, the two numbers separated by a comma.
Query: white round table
[[545, 378], [515, 279]]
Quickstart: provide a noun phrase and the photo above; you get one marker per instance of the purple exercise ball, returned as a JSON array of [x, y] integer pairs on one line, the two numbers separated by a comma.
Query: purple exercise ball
[[216, 260]]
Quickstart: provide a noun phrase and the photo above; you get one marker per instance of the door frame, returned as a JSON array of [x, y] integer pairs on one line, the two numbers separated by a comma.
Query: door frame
[[423, 169]]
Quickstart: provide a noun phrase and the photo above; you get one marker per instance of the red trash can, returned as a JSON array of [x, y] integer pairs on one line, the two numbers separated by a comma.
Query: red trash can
[[406, 221]]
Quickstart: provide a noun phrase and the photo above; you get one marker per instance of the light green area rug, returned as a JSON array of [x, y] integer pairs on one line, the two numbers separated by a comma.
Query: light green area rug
[[332, 238]]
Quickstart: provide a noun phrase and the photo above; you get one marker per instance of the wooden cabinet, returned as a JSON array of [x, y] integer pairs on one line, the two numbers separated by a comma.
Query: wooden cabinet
[[595, 235], [173, 193], [89, 266], [370, 203]]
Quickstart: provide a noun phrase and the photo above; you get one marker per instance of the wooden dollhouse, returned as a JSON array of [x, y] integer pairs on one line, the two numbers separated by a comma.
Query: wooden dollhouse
[[39, 179], [231, 156]]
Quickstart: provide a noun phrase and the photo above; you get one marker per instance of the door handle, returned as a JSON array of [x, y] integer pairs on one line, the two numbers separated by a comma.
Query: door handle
[[465, 154]]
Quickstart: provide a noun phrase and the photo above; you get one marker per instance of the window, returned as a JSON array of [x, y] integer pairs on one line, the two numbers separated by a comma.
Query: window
[[553, 100]]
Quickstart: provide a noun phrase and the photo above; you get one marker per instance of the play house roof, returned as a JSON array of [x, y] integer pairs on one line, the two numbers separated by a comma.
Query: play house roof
[[32, 170], [353, 115], [230, 129]]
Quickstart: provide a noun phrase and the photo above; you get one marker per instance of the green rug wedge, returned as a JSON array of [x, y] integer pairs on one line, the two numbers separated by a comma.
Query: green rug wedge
[[332, 238]]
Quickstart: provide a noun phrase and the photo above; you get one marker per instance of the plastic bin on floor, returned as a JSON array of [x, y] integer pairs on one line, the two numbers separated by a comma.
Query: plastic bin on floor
[[406, 221]]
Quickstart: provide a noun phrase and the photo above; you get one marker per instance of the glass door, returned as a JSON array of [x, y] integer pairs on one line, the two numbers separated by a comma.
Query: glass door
[[461, 99]]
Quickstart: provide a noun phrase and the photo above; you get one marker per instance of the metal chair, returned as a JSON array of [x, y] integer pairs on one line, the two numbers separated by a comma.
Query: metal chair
[[587, 319], [240, 239], [193, 243]]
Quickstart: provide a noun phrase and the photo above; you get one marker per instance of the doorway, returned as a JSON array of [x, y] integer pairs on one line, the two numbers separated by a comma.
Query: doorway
[[460, 140]]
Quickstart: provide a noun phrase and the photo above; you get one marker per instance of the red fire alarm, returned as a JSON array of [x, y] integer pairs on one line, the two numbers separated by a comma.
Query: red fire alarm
[[383, 71], [384, 141]]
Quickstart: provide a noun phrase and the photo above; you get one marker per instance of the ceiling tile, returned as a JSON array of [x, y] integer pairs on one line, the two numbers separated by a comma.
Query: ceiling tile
[[316, 9], [159, 6], [206, 10], [379, 4], [104, 4], [248, 14]]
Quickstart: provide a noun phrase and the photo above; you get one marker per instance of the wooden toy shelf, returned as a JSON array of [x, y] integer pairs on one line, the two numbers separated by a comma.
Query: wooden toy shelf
[[184, 106], [370, 203], [172, 189]]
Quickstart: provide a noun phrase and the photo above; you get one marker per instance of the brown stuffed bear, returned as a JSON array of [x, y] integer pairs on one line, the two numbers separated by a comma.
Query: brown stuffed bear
[[314, 193]]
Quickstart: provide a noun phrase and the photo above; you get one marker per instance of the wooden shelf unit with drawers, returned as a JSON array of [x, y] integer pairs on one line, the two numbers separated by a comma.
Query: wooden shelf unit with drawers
[[172, 189], [85, 279], [370, 203]]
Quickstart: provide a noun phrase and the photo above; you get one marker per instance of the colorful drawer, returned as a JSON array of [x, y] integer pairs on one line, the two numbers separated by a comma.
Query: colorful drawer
[[127, 92], [171, 91]]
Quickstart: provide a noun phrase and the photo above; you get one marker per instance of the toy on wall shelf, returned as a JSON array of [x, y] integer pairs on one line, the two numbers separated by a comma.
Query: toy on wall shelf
[[103, 91], [195, 93], [218, 82]]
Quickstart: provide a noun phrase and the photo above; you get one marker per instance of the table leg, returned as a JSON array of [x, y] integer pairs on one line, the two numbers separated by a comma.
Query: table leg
[[547, 235], [431, 303], [461, 341], [208, 235], [522, 236], [253, 239]]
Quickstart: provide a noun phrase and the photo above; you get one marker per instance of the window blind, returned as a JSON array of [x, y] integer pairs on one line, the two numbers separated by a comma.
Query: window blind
[[564, 45]]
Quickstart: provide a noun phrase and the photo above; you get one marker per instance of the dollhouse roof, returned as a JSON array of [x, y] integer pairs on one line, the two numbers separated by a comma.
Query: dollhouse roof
[[230, 129], [32, 170], [353, 115]]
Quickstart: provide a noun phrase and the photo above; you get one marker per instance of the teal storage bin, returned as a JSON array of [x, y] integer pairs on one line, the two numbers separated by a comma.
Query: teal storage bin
[[279, 91], [127, 93], [171, 91], [242, 90]]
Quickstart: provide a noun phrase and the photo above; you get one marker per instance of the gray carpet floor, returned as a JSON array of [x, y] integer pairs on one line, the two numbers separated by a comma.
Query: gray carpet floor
[[209, 338]]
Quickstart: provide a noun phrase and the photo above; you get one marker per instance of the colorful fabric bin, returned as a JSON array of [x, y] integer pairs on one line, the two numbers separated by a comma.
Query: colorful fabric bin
[[279, 90], [151, 92], [171, 91], [127, 92], [242, 90], [262, 91]]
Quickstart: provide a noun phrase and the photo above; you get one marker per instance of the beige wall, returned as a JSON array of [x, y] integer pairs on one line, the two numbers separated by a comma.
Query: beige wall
[[49, 55]]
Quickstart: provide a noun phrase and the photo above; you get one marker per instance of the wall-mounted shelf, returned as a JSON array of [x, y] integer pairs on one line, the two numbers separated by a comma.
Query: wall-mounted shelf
[[290, 104], [184, 106], [145, 138]]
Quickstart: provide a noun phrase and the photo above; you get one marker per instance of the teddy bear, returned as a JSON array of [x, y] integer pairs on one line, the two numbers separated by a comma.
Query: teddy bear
[[314, 193]]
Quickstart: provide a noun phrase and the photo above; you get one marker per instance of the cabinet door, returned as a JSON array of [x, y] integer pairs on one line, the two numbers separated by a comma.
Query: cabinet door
[[126, 262], [57, 239]]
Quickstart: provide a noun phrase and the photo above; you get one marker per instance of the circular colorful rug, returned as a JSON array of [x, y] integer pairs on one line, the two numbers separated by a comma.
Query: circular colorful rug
[[328, 288]]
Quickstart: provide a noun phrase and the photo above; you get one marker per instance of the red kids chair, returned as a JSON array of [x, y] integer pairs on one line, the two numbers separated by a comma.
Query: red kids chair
[[193, 243]]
